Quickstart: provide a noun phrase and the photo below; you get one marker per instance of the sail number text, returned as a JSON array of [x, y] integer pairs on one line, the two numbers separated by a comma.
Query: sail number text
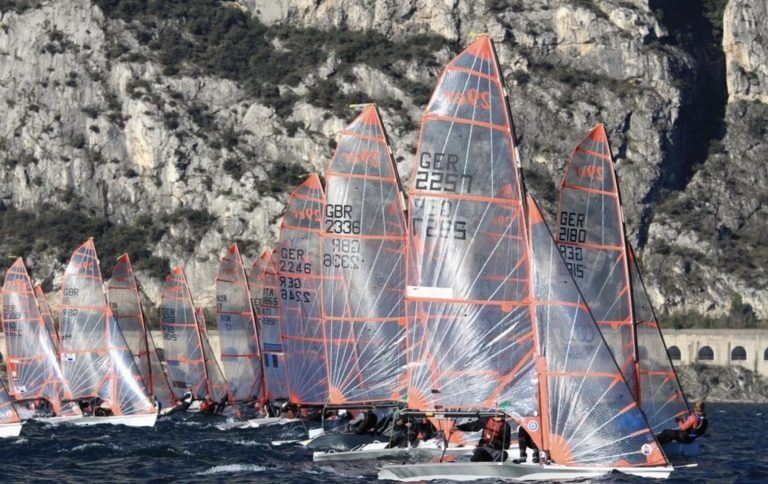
[[294, 260], [439, 221], [439, 172], [572, 230], [338, 220], [291, 290], [345, 254]]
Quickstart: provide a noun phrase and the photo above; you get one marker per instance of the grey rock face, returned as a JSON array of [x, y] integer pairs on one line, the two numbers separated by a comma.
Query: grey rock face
[[124, 138], [722, 384]]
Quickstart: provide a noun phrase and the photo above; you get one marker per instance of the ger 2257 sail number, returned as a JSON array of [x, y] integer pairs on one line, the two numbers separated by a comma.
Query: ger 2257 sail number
[[439, 172]]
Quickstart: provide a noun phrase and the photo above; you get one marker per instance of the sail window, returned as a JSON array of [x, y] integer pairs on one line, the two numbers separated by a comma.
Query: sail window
[[706, 354], [738, 354], [674, 353]]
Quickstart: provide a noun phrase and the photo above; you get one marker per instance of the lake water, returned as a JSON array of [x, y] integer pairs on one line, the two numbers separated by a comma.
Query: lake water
[[193, 450]]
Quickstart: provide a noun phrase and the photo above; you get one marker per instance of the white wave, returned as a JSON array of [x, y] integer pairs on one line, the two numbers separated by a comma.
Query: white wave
[[249, 443], [20, 440], [231, 469], [91, 445]]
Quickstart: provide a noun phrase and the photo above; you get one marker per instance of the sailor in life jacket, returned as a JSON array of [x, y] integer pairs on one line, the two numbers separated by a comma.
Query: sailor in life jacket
[[689, 428], [495, 438]]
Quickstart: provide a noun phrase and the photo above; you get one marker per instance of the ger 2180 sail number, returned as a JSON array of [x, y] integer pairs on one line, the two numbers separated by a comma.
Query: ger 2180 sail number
[[572, 231]]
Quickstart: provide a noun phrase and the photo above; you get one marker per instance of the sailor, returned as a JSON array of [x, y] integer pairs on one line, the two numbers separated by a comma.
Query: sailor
[[222, 403], [182, 406], [495, 438], [688, 429], [524, 442], [364, 423], [402, 433], [103, 410], [207, 406]]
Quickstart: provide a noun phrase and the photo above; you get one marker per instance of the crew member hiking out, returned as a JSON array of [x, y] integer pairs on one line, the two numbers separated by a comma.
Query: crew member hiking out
[[182, 406], [364, 423], [207, 406], [688, 429], [525, 442], [493, 441], [407, 432]]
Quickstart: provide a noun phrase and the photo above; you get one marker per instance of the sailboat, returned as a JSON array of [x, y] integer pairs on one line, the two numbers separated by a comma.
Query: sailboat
[[125, 302], [265, 293], [45, 313], [238, 338], [496, 324], [592, 239], [34, 375], [191, 364], [10, 422], [363, 250], [95, 358]]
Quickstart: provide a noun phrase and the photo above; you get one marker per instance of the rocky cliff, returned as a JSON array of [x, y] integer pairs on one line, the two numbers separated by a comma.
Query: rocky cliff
[[171, 129], [723, 384]]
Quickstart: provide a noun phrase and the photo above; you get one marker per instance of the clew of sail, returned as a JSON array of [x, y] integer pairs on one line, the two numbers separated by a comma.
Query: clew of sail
[[95, 358], [470, 334], [238, 338], [591, 238], [265, 291], [663, 398], [590, 416], [125, 302], [45, 312], [363, 267], [299, 262], [32, 363]]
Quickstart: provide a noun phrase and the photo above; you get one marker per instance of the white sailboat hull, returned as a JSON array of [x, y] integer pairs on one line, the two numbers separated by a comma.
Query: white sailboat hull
[[10, 430], [70, 419], [471, 471], [378, 450], [142, 420], [256, 423]]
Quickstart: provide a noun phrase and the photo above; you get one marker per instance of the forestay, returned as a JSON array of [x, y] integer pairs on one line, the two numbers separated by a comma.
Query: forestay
[[299, 262], [31, 361], [591, 238], [95, 358], [264, 296], [238, 338], [662, 397], [125, 302], [363, 267], [470, 334], [45, 313], [589, 415]]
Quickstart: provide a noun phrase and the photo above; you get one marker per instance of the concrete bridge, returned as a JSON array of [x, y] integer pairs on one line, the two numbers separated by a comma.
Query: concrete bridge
[[723, 347]]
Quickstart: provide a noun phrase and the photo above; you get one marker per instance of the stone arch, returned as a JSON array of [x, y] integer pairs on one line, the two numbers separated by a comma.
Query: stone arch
[[674, 353], [705, 354], [738, 353]]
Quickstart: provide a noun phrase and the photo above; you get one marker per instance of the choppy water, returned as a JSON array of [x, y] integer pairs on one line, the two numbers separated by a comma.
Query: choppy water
[[193, 450]]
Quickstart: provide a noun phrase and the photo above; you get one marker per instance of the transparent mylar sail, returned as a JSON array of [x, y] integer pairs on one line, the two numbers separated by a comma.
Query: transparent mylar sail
[[299, 262], [45, 312], [8, 413], [591, 238], [363, 267], [95, 358], [125, 302], [589, 414], [265, 294], [31, 360], [217, 385], [470, 334], [238, 338]]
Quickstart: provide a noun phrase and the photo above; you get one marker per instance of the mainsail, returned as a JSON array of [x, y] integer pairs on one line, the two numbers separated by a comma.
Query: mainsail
[[299, 262], [592, 239], [32, 362], [662, 397], [363, 268], [125, 302], [265, 291], [45, 312], [238, 338], [186, 348], [95, 358], [217, 385], [470, 334], [588, 413], [8, 413]]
